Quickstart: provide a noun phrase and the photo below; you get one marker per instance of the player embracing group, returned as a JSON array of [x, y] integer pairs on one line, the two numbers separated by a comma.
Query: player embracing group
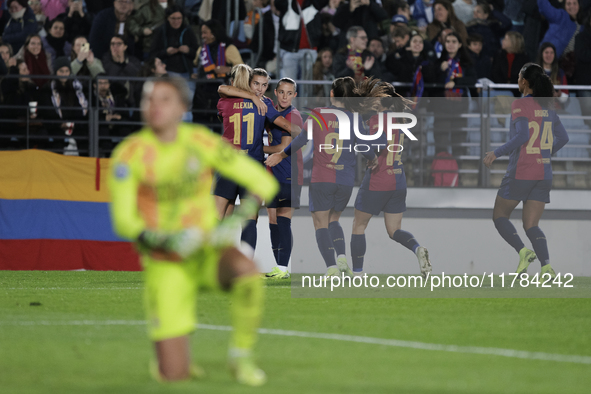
[[243, 104], [161, 180]]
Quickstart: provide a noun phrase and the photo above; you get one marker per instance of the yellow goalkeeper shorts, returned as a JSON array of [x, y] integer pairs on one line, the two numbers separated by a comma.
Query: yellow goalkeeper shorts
[[170, 293]]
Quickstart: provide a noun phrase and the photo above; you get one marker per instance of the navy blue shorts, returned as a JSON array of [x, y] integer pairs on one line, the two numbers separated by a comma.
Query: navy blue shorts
[[228, 189], [325, 196], [523, 190], [374, 202], [288, 197]]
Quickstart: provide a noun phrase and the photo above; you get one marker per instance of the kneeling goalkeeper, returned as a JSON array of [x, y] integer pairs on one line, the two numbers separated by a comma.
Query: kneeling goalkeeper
[[160, 182]]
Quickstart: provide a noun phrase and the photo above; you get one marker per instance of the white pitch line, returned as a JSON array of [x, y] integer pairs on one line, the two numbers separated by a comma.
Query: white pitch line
[[73, 288], [490, 351]]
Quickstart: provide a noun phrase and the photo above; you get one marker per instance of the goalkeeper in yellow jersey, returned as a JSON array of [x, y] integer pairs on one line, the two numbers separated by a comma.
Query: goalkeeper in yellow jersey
[[160, 181]]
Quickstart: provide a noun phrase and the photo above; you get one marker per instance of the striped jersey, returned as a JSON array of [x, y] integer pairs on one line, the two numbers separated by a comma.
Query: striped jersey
[[535, 134], [389, 174], [283, 171]]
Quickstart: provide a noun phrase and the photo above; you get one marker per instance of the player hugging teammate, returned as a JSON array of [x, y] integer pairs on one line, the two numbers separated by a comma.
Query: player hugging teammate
[[244, 110], [333, 176]]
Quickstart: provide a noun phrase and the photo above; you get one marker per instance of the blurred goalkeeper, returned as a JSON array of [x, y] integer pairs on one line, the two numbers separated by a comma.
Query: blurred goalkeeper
[[160, 181]]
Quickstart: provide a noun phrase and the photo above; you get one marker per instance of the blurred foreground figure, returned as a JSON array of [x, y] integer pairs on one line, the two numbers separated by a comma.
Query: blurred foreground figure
[[160, 181]]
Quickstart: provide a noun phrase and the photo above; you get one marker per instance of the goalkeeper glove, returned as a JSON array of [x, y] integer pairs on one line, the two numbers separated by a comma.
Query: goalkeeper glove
[[184, 243]]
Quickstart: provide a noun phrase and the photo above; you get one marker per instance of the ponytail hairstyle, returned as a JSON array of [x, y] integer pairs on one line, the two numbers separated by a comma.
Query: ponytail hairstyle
[[241, 75], [539, 82], [346, 90], [394, 101]]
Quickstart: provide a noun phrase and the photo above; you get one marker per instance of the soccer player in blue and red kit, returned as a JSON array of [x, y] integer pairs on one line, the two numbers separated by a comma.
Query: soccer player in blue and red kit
[[288, 199], [535, 134], [384, 189], [333, 171], [244, 122]]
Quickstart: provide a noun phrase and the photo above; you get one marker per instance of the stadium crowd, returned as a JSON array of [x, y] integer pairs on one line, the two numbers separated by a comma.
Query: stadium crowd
[[419, 42]]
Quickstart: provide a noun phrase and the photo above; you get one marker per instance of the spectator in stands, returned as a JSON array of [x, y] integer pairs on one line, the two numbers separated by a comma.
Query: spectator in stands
[[354, 60], [117, 63], [439, 43], [216, 56], [145, 21], [39, 15], [108, 23], [401, 8], [563, 25], [549, 61], [444, 17], [83, 60], [52, 8], [55, 41], [583, 56], [508, 63], [214, 59], [112, 101], [464, 9], [175, 43], [331, 8], [455, 70], [77, 22], [219, 11], [376, 48], [22, 23], [153, 67], [251, 20], [330, 33], [482, 63], [60, 94], [414, 64], [491, 25], [268, 50], [365, 13], [322, 71], [16, 92], [422, 12], [297, 44], [400, 38], [398, 20], [37, 59], [6, 54]]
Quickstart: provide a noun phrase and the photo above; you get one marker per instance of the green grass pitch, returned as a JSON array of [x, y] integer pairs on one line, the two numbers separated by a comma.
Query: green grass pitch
[[87, 336]]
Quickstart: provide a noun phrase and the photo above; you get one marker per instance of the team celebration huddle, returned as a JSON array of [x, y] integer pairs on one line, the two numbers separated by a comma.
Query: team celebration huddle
[[175, 188]]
